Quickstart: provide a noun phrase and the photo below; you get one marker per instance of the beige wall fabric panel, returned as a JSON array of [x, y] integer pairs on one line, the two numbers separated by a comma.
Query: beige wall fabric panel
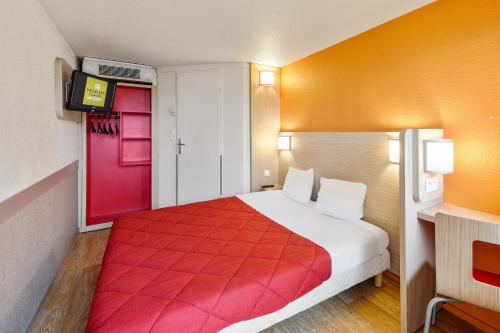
[[357, 157], [33, 243], [34, 142], [265, 126]]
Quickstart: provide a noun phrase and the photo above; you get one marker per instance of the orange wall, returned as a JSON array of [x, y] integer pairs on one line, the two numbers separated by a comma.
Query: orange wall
[[438, 66]]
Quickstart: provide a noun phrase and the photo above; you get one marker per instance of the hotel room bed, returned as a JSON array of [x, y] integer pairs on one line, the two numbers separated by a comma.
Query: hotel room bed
[[236, 264]]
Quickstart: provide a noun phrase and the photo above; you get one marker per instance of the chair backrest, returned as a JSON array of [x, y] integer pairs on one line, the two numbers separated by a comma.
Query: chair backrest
[[461, 271]]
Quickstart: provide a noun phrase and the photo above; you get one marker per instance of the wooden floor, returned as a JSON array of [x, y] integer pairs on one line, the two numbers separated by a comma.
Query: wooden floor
[[363, 308]]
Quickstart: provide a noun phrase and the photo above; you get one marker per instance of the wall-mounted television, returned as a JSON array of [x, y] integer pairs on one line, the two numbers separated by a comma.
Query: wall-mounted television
[[90, 93]]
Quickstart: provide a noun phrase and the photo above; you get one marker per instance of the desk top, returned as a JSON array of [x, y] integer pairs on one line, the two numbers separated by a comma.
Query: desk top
[[429, 214]]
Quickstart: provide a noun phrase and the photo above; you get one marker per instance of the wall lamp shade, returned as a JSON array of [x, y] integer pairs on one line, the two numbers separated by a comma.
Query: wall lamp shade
[[285, 142], [394, 150], [266, 78], [438, 156]]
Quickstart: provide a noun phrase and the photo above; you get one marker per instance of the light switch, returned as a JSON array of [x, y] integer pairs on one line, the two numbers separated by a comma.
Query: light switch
[[431, 184], [171, 111], [267, 173]]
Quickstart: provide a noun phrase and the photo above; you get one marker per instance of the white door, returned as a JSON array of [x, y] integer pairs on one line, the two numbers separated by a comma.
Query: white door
[[198, 128]]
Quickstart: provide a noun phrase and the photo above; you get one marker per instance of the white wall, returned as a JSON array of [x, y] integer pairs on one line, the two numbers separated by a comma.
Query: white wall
[[33, 142], [38, 225]]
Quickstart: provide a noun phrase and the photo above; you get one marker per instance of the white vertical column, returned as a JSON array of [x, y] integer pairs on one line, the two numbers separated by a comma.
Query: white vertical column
[[418, 277]]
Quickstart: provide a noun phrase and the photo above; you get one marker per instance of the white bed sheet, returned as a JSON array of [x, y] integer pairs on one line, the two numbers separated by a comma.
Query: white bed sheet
[[358, 250], [349, 243]]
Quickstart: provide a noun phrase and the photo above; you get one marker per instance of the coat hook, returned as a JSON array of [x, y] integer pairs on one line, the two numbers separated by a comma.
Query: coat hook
[[104, 129], [92, 127], [117, 130], [110, 127], [99, 128]]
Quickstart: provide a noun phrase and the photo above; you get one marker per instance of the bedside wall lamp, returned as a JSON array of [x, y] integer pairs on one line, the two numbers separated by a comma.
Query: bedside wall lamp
[[266, 78], [285, 143], [394, 150], [438, 156]]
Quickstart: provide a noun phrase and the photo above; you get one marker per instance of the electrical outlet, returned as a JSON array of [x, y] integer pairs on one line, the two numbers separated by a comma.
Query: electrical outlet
[[431, 184], [267, 173]]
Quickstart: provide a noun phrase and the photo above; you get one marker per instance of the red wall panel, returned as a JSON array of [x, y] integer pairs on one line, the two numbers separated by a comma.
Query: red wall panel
[[119, 166]]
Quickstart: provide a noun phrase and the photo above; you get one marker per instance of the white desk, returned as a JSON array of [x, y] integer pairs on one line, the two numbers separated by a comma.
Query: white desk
[[429, 214]]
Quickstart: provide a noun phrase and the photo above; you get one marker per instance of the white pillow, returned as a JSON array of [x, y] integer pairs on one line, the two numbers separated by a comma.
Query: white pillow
[[341, 199], [299, 184]]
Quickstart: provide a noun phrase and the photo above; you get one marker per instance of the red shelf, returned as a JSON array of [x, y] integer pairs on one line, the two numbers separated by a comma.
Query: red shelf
[[132, 163], [132, 100], [112, 215], [135, 151], [136, 138], [133, 112]]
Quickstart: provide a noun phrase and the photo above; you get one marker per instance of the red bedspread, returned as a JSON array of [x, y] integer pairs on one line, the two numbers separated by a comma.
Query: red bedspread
[[199, 268]]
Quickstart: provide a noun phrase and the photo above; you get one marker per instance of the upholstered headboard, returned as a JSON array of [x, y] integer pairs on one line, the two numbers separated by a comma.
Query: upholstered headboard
[[358, 157]]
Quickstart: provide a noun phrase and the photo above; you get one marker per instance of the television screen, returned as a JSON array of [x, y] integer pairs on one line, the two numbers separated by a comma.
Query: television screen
[[89, 93]]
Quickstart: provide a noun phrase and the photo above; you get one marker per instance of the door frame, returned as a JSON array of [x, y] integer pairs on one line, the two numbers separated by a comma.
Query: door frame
[[167, 125], [82, 174]]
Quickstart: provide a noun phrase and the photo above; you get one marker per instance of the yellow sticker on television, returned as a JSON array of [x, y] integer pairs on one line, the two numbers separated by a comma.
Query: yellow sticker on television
[[95, 92]]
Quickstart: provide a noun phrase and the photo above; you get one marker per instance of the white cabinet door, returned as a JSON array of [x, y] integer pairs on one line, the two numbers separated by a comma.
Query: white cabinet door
[[198, 130], [235, 131], [190, 109]]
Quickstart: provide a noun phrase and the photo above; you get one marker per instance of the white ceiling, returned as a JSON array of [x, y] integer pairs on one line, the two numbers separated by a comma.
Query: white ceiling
[[176, 32]]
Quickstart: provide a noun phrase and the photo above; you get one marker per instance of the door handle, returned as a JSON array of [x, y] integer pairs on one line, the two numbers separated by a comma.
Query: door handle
[[180, 144]]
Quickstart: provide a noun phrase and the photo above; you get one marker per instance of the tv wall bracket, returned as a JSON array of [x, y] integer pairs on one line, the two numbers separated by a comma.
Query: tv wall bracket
[[63, 72]]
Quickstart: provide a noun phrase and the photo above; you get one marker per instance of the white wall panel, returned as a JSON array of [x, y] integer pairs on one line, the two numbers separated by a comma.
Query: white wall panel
[[236, 130]]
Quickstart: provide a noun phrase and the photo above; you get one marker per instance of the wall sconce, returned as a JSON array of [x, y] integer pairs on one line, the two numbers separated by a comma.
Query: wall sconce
[[266, 78], [285, 142], [438, 156], [394, 150]]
